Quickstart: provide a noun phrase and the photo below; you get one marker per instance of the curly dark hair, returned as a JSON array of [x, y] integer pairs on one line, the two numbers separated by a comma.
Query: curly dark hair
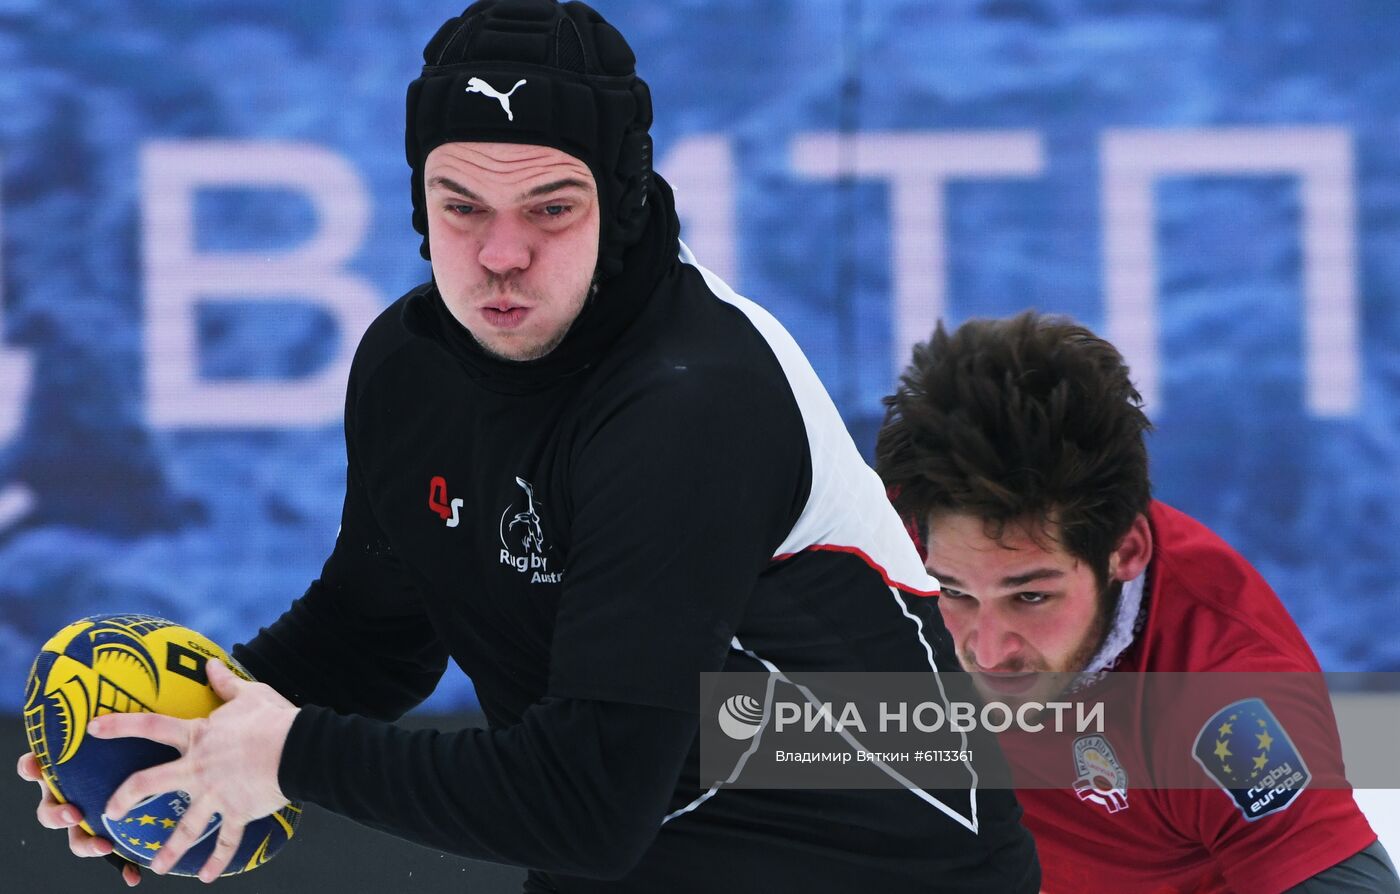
[[1030, 419]]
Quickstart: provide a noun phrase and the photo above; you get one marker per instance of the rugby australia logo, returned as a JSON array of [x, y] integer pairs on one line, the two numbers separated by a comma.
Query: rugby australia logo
[[477, 85], [522, 538]]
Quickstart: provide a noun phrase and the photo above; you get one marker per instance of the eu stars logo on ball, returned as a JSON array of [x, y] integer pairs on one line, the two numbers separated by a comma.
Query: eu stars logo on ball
[[109, 664]]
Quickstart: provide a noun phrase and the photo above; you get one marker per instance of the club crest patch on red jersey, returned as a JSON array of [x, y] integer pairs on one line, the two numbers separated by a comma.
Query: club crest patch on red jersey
[[1101, 778]]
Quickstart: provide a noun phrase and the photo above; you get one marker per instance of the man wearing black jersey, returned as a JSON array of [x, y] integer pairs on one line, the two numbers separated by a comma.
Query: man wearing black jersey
[[587, 471]]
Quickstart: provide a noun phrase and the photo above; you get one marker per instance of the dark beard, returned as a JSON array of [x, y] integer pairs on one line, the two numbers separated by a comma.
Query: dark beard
[[1109, 597]]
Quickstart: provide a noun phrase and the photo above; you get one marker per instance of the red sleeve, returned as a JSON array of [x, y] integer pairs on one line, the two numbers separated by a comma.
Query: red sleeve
[[1320, 827]]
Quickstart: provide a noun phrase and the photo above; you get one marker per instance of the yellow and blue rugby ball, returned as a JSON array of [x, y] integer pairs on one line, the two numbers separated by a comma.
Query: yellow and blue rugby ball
[[109, 664]]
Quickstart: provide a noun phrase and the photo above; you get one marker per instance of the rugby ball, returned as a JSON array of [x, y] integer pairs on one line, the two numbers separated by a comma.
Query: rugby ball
[[109, 664]]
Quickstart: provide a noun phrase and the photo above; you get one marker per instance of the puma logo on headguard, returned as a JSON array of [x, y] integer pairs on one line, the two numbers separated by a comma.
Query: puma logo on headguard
[[477, 85]]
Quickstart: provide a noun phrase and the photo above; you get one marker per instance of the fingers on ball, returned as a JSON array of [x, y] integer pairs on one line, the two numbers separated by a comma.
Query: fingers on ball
[[84, 845], [230, 834], [53, 815], [191, 826], [142, 784], [170, 731], [28, 767]]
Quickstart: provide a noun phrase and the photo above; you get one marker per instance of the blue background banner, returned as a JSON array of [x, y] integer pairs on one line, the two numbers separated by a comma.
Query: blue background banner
[[203, 203]]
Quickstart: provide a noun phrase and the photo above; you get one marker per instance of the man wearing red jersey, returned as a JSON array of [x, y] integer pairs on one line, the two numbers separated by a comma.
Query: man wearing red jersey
[[1015, 450]]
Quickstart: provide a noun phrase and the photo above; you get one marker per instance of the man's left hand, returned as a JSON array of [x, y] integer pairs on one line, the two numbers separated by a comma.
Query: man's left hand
[[228, 765]]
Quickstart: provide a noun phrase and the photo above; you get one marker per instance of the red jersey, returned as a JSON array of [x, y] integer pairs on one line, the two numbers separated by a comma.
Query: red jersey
[[1207, 609]]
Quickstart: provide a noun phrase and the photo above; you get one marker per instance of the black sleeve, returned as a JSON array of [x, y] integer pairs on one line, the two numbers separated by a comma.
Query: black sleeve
[[680, 499], [358, 640], [1368, 871], [577, 787]]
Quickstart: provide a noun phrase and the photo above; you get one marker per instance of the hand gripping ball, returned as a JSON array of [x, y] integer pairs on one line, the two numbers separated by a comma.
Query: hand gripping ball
[[109, 664]]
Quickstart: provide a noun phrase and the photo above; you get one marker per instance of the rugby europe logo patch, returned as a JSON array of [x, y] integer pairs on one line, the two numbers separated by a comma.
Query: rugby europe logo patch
[[1247, 752]]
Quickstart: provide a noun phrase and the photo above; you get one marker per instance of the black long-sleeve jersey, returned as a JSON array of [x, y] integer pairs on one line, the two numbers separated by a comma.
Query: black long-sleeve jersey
[[669, 492]]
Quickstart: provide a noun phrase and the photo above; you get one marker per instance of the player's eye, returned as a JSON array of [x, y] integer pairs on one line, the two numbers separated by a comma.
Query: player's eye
[[1032, 598], [555, 209], [955, 595], [459, 209]]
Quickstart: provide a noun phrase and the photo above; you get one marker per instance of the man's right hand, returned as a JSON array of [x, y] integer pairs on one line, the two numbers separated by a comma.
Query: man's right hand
[[53, 815]]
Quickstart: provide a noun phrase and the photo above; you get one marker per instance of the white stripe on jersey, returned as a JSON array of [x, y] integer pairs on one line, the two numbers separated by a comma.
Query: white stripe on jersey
[[847, 509], [775, 674]]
